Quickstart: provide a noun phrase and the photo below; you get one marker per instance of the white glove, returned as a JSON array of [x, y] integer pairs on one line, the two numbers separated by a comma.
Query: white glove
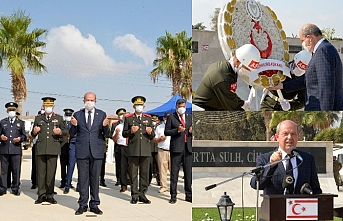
[[285, 105], [246, 106]]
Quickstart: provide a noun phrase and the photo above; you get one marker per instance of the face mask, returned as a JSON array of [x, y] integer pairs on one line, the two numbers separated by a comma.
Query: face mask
[[68, 118], [139, 108], [48, 110], [154, 123], [181, 110], [42, 111], [307, 48], [89, 105], [165, 121], [121, 117], [11, 114]]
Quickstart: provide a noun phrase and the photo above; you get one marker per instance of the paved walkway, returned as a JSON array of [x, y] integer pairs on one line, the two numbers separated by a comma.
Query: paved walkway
[[114, 204]]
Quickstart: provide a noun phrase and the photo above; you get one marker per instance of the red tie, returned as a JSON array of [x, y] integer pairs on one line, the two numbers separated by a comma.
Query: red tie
[[184, 125]]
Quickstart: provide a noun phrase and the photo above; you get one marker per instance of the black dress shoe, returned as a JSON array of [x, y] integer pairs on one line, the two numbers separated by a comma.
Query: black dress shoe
[[40, 200], [134, 201], [81, 210], [144, 200], [188, 199], [103, 184], [51, 200], [96, 210], [62, 185], [71, 186], [16, 192], [66, 191], [172, 201], [34, 186], [3, 193], [117, 183]]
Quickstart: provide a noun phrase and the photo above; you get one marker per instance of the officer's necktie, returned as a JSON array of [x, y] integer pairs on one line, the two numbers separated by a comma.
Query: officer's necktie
[[89, 120], [184, 125], [139, 117], [11, 121], [48, 118]]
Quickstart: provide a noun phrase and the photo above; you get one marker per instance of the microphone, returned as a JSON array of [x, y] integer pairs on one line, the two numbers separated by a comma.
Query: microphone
[[295, 153], [210, 187], [287, 183], [306, 189]]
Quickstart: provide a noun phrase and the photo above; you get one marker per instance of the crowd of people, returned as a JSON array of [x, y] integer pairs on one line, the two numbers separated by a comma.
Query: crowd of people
[[146, 147]]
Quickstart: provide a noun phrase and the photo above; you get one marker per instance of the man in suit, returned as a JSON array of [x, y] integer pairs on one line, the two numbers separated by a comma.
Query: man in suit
[[303, 172], [179, 127], [91, 127], [138, 130], [50, 129], [324, 74], [12, 133]]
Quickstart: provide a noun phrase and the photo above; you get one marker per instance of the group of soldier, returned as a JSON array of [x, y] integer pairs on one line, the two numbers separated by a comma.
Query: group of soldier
[[141, 151]]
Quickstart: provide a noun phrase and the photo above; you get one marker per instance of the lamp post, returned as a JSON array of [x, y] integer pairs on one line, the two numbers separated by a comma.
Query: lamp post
[[225, 207]]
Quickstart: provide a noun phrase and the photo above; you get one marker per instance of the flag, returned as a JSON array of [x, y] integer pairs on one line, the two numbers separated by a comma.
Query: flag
[[301, 209]]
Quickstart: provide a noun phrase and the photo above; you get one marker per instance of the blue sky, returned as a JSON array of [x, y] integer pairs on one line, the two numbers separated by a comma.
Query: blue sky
[[102, 46], [292, 13]]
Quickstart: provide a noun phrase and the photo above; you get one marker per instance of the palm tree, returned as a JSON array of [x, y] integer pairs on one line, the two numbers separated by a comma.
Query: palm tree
[[20, 50], [174, 59]]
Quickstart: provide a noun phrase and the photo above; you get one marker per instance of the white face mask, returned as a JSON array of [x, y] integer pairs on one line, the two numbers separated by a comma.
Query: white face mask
[[42, 111], [48, 109], [68, 118], [154, 123], [121, 117], [307, 48], [89, 105], [139, 108], [11, 114], [181, 110], [165, 121]]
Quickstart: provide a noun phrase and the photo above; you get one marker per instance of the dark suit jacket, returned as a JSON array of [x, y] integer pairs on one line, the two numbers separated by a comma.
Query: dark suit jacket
[[177, 142], [272, 178], [49, 143], [17, 129], [89, 141], [324, 79]]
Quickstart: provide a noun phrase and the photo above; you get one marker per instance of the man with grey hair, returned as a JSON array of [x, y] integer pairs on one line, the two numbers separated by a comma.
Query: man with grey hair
[[302, 170], [324, 75]]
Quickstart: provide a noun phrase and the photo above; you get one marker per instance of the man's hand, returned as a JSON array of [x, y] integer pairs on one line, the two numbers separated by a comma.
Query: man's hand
[[134, 129], [148, 130], [276, 156], [105, 122], [181, 128], [3, 137], [190, 129], [246, 106], [17, 139], [163, 138], [36, 129], [277, 87], [117, 130], [57, 131], [73, 121]]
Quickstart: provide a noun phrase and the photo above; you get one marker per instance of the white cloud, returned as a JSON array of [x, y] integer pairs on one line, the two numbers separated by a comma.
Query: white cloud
[[130, 43], [72, 54]]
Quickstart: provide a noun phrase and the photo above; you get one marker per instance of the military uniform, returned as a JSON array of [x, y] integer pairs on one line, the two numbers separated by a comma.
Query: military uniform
[[154, 173], [139, 151], [296, 99], [217, 90], [10, 150], [48, 147]]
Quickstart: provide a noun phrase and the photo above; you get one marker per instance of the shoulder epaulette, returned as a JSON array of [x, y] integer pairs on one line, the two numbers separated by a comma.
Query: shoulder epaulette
[[129, 115], [146, 115]]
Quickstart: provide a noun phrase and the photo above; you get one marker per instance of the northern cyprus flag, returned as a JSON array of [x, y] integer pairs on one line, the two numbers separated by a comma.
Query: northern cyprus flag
[[301, 209]]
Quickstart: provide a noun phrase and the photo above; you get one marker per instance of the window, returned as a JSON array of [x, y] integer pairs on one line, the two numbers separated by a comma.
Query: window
[[194, 47], [294, 49]]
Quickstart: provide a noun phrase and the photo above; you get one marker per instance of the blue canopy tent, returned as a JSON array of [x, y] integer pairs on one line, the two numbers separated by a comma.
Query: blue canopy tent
[[169, 107]]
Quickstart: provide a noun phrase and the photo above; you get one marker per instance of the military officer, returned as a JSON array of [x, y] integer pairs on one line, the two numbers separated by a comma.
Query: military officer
[[153, 172], [64, 157], [12, 133], [50, 129], [138, 130]]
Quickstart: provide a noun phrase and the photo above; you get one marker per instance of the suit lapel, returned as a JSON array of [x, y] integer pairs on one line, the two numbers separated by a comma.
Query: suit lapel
[[83, 117], [177, 117]]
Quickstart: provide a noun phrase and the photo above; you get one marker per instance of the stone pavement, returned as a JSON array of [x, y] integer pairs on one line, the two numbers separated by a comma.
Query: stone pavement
[[114, 204]]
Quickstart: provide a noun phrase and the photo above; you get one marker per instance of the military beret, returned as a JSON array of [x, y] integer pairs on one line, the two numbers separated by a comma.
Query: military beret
[[11, 105], [68, 111], [138, 100], [48, 101], [120, 111]]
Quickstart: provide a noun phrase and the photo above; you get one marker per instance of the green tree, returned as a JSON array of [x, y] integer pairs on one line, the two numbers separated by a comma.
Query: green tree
[[214, 19], [199, 26], [174, 60], [20, 50], [328, 34]]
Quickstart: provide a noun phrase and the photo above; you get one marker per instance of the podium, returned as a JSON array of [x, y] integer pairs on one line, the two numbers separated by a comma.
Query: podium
[[274, 208]]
